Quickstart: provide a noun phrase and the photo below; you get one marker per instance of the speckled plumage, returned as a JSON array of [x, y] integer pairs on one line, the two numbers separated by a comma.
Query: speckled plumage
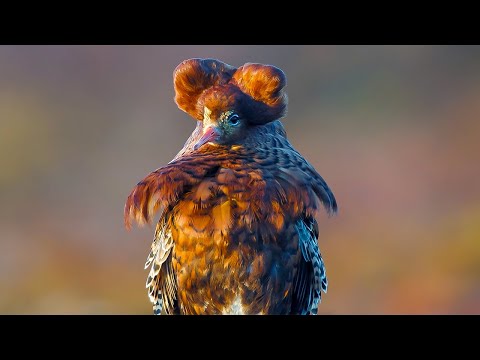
[[237, 233]]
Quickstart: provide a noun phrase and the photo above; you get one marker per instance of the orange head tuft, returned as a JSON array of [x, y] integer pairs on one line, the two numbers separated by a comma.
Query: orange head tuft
[[255, 91]]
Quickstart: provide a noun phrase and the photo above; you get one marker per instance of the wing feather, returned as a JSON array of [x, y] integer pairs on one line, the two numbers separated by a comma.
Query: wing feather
[[161, 283], [311, 278]]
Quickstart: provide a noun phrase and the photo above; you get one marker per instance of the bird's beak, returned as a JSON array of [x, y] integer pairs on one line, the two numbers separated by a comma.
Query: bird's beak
[[211, 134]]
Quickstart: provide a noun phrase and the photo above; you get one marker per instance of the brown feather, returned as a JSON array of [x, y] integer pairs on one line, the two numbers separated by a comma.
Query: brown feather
[[255, 90], [233, 209], [264, 83], [193, 76]]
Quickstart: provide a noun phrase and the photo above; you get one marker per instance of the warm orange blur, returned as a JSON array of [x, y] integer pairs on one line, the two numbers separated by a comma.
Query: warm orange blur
[[395, 131]]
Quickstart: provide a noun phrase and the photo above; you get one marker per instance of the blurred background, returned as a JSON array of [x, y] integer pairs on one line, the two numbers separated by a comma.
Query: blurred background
[[394, 130]]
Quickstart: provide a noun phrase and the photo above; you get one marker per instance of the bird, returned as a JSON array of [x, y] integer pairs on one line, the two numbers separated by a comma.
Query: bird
[[237, 232]]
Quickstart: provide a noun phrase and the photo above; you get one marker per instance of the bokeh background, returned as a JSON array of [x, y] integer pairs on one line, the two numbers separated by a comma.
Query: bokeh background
[[395, 131]]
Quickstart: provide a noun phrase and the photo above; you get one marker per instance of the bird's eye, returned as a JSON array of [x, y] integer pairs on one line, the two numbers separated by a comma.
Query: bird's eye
[[234, 119]]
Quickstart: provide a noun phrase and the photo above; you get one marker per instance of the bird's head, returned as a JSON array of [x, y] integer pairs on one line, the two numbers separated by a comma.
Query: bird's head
[[226, 128], [229, 101]]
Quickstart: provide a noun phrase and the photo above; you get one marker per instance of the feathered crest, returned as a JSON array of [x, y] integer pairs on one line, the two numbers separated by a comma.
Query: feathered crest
[[256, 88], [192, 77]]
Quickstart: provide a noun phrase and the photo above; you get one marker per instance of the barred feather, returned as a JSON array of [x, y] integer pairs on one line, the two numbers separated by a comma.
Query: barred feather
[[237, 230], [308, 237], [160, 250]]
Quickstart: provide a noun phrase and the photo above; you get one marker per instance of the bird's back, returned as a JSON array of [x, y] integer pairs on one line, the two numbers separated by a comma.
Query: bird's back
[[235, 230], [226, 259], [237, 234]]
